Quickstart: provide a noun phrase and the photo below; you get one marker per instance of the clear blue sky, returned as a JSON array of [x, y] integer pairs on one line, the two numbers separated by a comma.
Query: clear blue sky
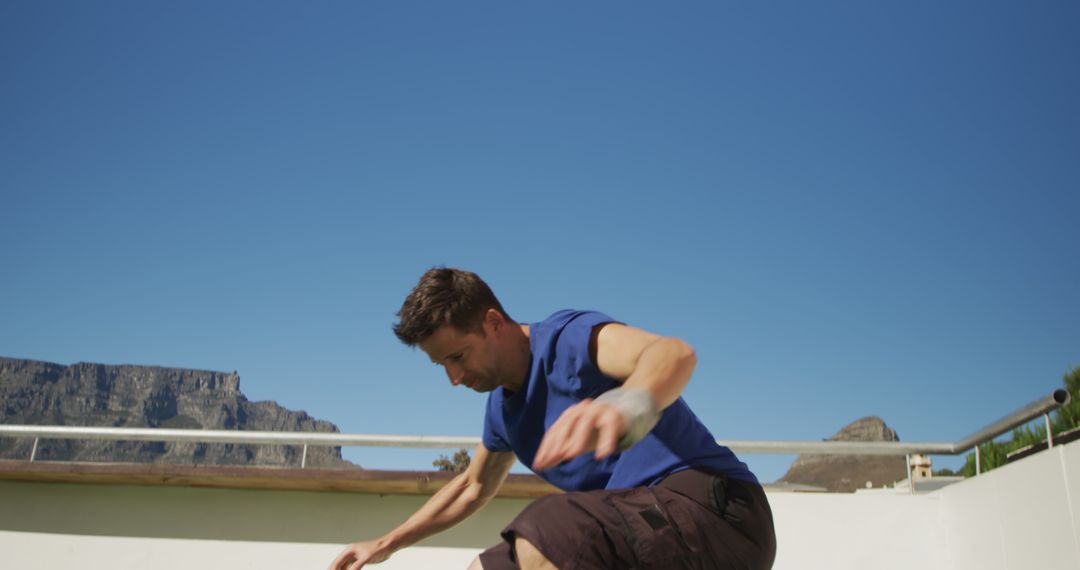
[[848, 208]]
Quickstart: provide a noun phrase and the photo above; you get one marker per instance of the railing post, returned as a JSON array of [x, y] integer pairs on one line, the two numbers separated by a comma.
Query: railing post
[[978, 461], [910, 478], [1049, 432], [33, 450], [303, 458]]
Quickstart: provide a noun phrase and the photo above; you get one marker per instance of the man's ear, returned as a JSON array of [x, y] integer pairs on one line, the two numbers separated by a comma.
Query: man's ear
[[494, 319]]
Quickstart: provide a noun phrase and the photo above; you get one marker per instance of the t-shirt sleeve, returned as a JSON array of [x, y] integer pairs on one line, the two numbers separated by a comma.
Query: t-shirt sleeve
[[582, 376], [494, 437]]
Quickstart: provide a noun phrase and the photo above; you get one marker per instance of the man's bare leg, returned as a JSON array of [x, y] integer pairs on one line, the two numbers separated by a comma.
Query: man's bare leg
[[529, 558]]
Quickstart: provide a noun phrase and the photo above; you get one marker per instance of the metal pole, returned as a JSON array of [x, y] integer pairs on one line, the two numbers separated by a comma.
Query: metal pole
[[893, 448], [235, 436], [1049, 432], [911, 480], [1023, 415], [303, 458], [33, 451]]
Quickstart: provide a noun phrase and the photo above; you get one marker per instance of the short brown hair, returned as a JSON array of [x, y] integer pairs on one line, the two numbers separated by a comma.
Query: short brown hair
[[445, 296]]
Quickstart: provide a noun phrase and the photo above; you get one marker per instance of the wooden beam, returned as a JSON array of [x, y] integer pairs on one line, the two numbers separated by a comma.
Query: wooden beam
[[236, 477]]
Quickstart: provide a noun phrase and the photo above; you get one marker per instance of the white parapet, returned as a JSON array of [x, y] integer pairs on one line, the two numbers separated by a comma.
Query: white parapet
[[1020, 516]]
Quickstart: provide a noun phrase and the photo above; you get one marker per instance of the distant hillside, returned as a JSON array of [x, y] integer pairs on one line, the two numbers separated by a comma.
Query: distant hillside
[[845, 473], [84, 394]]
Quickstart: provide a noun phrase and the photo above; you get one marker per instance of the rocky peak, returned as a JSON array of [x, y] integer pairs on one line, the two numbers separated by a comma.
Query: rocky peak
[[870, 428], [89, 394], [845, 473]]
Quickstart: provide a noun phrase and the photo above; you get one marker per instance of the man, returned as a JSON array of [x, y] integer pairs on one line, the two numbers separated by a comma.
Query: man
[[592, 406]]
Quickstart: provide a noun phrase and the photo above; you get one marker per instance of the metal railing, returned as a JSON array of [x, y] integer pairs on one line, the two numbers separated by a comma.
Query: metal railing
[[1042, 406]]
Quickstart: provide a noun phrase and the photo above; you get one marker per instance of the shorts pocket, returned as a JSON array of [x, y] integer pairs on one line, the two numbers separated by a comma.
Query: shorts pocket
[[650, 526]]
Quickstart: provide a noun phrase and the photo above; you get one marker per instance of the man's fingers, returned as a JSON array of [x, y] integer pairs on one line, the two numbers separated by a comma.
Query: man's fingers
[[582, 439], [581, 428], [605, 428], [551, 446], [359, 554], [608, 433], [340, 560], [568, 439], [360, 561]]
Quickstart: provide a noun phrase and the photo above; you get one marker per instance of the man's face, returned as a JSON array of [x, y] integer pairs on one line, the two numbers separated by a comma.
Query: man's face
[[469, 358]]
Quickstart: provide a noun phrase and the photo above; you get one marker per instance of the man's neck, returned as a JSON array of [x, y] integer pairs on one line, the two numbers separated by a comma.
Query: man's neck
[[521, 353]]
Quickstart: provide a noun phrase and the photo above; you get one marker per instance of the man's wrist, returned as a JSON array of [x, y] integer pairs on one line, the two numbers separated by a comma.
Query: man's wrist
[[389, 543], [638, 409]]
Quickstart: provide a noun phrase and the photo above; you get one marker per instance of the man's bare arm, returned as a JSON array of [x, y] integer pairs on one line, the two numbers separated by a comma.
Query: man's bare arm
[[460, 498], [659, 366]]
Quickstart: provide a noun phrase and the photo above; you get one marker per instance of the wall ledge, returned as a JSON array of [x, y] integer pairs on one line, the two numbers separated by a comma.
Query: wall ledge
[[369, 481]]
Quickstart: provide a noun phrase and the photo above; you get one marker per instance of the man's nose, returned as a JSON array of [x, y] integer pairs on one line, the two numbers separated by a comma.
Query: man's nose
[[455, 374]]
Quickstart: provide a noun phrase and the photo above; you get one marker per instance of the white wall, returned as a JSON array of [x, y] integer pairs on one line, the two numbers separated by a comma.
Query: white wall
[[37, 551], [1022, 516], [1018, 517], [836, 531], [51, 526]]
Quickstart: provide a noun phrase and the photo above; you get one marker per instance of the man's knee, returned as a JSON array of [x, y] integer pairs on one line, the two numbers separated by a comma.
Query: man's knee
[[529, 558]]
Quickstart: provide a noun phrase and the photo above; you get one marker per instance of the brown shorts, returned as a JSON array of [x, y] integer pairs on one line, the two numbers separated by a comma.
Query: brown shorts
[[692, 519]]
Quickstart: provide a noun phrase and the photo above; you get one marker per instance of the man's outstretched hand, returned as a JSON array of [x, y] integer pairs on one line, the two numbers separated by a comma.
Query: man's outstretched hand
[[585, 426], [357, 554]]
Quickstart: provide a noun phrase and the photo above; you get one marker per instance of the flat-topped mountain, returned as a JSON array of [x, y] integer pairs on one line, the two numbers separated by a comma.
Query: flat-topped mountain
[[845, 473], [85, 394]]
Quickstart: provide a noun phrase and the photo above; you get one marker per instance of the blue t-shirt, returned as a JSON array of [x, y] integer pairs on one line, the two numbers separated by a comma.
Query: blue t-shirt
[[561, 374]]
